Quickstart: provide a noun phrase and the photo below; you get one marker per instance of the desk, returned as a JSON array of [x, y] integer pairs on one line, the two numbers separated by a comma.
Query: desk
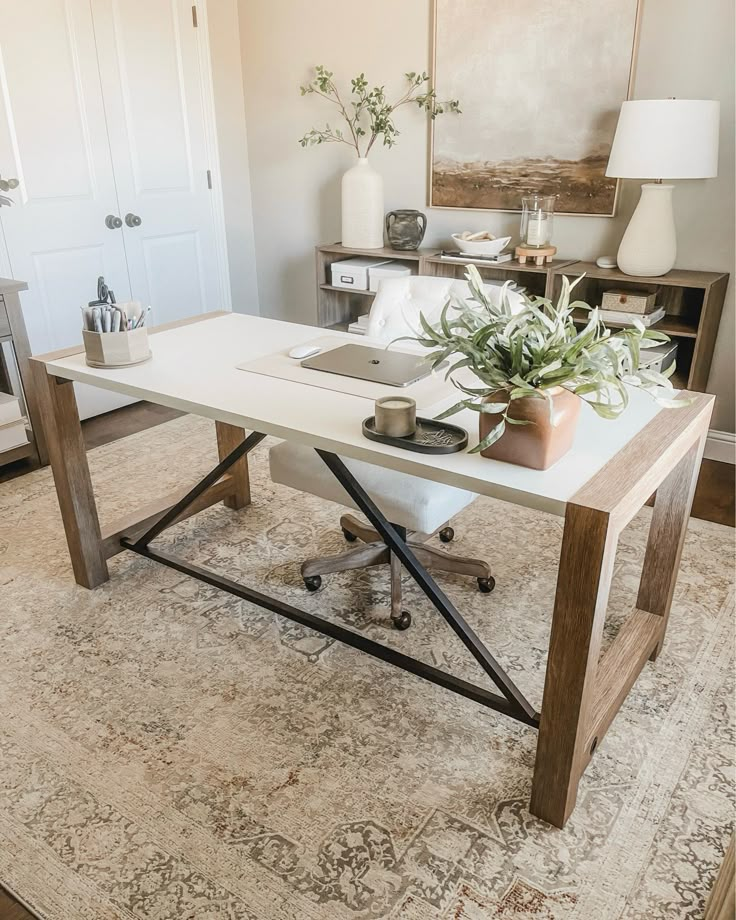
[[598, 488]]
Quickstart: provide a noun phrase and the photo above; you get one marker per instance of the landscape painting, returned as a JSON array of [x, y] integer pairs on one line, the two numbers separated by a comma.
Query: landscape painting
[[540, 88]]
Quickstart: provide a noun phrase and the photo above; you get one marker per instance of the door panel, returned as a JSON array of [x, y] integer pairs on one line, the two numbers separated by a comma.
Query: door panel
[[171, 289], [53, 138], [153, 98], [154, 109]]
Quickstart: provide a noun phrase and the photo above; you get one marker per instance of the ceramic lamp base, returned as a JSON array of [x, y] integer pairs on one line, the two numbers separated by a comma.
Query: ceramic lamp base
[[649, 245]]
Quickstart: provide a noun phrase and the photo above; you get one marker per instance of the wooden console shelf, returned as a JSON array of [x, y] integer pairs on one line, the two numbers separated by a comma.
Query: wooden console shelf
[[693, 300], [537, 280]]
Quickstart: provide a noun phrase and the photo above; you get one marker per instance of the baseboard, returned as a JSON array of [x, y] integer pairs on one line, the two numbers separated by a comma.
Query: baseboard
[[720, 445]]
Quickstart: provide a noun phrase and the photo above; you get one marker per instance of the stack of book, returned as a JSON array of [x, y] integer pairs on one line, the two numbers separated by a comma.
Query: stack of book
[[360, 326], [455, 255], [12, 424], [622, 318]]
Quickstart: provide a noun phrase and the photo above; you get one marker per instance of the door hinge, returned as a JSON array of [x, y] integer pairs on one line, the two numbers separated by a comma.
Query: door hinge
[[194, 17], [209, 178]]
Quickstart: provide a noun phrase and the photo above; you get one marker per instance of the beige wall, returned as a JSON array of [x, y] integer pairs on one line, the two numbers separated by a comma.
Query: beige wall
[[686, 50], [227, 83]]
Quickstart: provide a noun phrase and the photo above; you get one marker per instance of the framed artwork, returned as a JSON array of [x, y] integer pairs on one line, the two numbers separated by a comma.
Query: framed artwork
[[540, 87]]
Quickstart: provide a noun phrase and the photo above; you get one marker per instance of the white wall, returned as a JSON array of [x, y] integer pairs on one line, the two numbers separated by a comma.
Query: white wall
[[227, 83], [686, 50]]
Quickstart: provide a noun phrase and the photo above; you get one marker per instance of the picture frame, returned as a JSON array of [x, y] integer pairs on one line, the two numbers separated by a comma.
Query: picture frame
[[581, 186]]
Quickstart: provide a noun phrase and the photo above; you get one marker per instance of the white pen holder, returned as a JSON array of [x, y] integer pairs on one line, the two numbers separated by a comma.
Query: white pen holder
[[116, 349]]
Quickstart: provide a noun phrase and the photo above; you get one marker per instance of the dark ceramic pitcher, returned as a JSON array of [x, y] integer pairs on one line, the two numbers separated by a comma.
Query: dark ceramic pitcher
[[405, 229]]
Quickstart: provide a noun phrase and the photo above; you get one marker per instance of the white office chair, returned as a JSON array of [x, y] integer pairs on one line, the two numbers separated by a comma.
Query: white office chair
[[418, 507]]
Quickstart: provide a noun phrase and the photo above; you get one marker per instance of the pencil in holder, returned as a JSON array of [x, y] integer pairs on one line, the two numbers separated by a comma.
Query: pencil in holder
[[116, 349]]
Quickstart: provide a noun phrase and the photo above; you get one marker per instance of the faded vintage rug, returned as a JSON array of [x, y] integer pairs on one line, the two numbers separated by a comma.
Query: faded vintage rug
[[169, 753]]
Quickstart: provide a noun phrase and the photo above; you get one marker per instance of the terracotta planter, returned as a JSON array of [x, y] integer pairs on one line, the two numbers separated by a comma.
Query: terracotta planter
[[540, 444]]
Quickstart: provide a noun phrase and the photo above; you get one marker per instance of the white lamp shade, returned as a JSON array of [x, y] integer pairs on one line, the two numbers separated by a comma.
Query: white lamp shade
[[666, 139]]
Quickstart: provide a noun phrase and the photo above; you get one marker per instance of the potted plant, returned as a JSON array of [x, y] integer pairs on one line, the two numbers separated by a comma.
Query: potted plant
[[534, 366], [367, 115]]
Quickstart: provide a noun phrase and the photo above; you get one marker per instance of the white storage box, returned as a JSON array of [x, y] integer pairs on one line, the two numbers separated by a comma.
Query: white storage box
[[388, 270], [9, 408], [660, 357], [12, 435], [353, 273]]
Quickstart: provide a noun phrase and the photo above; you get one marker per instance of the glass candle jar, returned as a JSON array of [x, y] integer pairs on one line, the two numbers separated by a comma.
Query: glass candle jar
[[537, 216]]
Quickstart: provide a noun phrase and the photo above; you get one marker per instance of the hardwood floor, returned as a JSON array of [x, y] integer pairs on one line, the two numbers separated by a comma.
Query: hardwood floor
[[101, 430], [715, 500], [714, 497], [10, 909]]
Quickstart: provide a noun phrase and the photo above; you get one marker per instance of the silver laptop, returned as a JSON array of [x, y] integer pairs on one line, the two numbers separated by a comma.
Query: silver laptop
[[393, 368]]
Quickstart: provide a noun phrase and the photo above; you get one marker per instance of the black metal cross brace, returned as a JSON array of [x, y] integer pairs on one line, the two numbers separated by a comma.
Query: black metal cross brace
[[511, 703]]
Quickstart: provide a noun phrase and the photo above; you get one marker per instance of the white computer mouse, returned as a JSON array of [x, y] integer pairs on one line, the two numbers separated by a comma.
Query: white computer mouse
[[304, 351]]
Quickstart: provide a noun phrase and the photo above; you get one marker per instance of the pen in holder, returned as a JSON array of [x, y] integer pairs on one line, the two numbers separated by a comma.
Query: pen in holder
[[115, 334]]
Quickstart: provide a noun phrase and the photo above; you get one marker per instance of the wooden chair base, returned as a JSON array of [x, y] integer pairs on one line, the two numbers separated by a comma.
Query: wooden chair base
[[375, 552]]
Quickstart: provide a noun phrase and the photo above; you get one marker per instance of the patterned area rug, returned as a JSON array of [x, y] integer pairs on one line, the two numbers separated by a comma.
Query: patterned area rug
[[168, 753]]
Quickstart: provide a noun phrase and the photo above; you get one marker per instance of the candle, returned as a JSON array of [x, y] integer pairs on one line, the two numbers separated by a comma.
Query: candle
[[396, 416], [536, 234]]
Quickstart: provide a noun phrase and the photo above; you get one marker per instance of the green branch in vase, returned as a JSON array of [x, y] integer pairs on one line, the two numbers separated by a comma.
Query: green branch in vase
[[369, 115]]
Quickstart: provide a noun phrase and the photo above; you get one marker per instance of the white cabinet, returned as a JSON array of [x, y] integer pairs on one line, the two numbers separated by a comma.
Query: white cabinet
[[102, 113]]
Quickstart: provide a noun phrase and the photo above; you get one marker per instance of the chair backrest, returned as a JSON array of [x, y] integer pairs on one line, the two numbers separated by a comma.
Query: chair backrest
[[399, 301]]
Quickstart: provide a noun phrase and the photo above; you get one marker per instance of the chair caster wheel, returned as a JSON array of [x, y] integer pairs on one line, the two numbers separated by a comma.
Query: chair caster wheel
[[350, 537], [447, 535], [486, 585], [313, 582], [402, 621]]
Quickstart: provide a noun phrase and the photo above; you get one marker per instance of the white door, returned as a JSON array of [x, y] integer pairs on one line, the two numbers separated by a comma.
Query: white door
[[53, 139], [150, 71]]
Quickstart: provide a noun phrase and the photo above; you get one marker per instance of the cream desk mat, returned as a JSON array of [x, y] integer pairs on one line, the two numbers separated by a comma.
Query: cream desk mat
[[426, 392]]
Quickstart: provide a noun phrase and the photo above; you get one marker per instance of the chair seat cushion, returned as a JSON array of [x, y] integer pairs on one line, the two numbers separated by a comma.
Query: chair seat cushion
[[408, 501]]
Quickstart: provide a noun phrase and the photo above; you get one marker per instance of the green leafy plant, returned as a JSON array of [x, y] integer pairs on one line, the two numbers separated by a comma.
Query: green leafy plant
[[529, 349], [367, 113]]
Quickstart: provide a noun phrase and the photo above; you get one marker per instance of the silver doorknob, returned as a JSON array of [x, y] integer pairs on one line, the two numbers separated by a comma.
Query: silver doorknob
[[132, 220], [7, 185], [112, 222]]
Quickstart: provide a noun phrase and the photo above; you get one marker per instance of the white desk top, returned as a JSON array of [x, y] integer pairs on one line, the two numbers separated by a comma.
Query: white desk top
[[194, 369]]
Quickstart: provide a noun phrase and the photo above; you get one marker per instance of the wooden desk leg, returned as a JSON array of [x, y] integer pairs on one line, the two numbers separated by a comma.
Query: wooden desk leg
[[721, 904], [228, 438], [68, 455], [583, 582], [670, 517]]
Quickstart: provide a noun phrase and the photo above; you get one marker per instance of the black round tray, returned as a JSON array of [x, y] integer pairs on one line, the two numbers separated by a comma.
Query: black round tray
[[431, 437]]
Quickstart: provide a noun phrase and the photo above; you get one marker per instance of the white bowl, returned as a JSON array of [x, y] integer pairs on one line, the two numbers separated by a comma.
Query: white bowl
[[482, 247]]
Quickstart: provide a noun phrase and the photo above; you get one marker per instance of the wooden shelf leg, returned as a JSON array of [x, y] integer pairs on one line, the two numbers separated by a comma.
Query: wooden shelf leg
[[22, 351], [583, 583], [670, 517], [228, 438], [68, 455]]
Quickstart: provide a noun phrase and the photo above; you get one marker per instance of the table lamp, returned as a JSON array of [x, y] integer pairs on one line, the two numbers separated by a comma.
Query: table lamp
[[660, 139]]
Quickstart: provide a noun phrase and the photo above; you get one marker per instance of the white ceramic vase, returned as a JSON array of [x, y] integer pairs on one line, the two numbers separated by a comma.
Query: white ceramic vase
[[649, 245], [362, 207]]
